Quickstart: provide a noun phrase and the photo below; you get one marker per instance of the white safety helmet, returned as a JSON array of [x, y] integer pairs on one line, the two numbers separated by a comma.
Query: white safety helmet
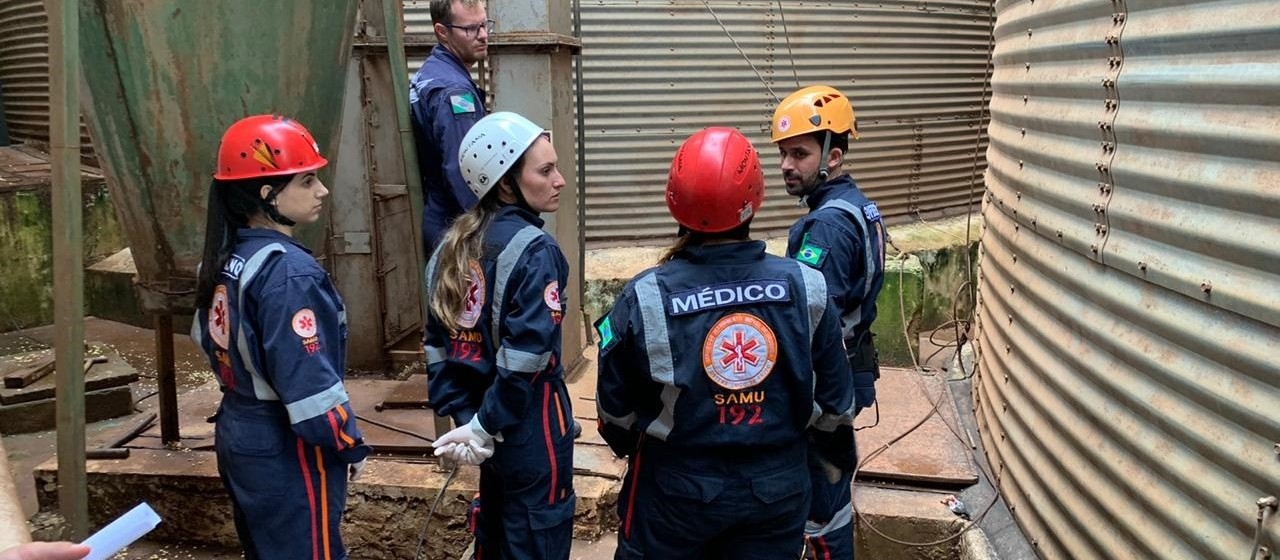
[[492, 146]]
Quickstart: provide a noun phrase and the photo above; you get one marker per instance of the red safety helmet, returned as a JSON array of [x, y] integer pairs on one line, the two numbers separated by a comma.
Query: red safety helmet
[[716, 183], [266, 146]]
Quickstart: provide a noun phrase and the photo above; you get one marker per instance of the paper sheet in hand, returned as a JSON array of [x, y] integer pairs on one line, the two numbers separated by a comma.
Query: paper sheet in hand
[[122, 532]]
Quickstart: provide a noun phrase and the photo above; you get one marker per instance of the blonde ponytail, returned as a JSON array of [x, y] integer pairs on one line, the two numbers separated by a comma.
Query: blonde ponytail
[[462, 243]]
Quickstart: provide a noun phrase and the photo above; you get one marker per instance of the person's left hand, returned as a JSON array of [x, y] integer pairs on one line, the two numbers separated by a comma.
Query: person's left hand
[[46, 551], [357, 469]]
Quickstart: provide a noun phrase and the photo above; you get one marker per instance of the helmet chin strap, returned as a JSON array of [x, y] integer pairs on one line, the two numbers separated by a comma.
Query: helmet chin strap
[[826, 148], [823, 174], [521, 201]]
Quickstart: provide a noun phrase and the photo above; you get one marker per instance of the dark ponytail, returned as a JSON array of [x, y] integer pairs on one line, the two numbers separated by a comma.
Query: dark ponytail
[[686, 238], [230, 207]]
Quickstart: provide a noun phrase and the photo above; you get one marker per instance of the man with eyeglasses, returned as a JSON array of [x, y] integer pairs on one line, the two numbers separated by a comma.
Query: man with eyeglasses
[[444, 102]]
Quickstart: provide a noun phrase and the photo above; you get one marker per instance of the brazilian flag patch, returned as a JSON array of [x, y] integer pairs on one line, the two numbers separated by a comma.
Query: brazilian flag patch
[[464, 103], [810, 253], [605, 328]]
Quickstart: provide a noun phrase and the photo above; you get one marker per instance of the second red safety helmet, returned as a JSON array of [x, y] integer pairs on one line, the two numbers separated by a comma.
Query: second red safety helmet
[[716, 183], [266, 146]]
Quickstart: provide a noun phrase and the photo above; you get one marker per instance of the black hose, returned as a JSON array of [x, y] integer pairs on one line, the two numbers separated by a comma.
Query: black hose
[[395, 429], [422, 537]]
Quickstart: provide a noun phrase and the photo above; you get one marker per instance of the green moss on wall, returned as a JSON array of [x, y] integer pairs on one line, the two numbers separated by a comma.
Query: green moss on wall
[[899, 303], [26, 241]]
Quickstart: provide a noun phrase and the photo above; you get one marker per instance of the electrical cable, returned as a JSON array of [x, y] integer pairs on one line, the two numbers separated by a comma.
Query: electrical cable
[[396, 429], [740, 51], [422, 536], [977, 146], [787, 34]]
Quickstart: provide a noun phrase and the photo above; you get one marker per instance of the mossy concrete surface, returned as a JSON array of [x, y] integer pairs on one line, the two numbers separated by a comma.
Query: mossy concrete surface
[[925, 268], [26, 241], [109, 292]]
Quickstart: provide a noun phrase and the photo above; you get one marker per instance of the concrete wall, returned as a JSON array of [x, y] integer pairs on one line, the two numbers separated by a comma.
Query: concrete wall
[[26, 244]]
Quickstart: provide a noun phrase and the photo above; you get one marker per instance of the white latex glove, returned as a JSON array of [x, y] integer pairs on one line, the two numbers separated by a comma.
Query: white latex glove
[[357, 470], [469, 453], [477, 455], [469, 444]]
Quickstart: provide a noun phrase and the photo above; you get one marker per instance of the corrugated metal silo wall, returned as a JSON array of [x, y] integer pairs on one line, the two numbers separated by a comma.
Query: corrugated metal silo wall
[[656, 71], [24, 71], [1129, 390]]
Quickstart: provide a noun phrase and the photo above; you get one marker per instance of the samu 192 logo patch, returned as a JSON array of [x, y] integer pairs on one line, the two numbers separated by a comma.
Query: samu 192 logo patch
[[739, 351], [304, 325], [551, 297], [220, 318], [473, 302]]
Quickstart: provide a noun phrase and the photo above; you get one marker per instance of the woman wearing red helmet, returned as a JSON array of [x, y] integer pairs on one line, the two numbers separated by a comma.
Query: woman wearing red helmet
[[713, 366], [275, 331]]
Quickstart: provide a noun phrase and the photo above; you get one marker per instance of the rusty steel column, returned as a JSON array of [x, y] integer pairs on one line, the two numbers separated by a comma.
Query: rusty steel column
[[13, 522], [68, 261], [531, 54], [166, 379]]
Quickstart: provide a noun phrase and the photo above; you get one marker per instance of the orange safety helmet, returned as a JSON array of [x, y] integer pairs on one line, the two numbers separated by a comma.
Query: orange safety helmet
[[813, 109], [266, 146], [716, 183]]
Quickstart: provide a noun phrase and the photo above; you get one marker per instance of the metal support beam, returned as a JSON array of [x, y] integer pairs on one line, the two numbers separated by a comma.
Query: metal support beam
[[166, 379], [68, 261]]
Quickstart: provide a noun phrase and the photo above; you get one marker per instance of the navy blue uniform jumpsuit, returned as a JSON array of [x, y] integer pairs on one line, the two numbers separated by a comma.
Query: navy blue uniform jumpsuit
[[504, 367], [285, 432], [842, 236], [443, 104], [712, 368]]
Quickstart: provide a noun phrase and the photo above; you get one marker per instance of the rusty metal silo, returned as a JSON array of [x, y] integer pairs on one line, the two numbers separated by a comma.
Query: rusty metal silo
[[163, 81], [1129, 394]]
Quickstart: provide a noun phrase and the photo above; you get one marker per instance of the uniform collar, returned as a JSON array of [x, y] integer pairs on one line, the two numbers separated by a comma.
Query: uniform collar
[[515, 211], [442, 52], [266, 234], [739, 252], [828, 190]]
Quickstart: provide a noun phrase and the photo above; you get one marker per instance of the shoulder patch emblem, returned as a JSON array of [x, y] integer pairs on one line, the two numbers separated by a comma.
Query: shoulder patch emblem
[[462, 104], [233, 268], [551, 296], [220, 318], [871, 211], [739, 351], [304, 323], [811, 254], [473, 305], [605, 328]]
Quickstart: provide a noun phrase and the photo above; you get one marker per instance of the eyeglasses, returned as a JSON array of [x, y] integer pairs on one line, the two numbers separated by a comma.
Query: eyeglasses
[[472, 30]]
